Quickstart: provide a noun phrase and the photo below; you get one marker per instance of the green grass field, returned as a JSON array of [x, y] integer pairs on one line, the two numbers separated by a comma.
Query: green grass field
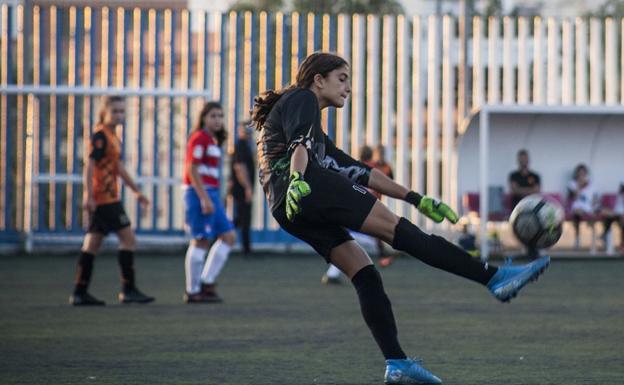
[[279, 325]]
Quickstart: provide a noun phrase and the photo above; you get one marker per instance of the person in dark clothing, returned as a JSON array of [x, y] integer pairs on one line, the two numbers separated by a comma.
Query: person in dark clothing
[[242, 176], [523, 182], [316, 192]]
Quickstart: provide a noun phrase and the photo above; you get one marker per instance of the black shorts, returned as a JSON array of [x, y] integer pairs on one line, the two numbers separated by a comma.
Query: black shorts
[[335, 205], [110, 217]]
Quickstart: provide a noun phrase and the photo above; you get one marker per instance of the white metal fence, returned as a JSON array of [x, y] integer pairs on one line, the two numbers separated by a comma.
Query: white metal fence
[[408, 75]]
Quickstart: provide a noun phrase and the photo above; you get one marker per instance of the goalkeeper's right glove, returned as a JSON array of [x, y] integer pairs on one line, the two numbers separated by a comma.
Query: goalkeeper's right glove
[[297, 189], [432, 208]]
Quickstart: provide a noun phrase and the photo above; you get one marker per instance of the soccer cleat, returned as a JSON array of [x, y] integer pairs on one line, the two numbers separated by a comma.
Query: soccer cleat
[[201, 298], [408, 371], [134, 296], [209, 292], [509, 280], [85, 299]]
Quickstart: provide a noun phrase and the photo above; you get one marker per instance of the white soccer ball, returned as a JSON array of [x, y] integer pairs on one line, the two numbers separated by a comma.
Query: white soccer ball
[[537, 221]]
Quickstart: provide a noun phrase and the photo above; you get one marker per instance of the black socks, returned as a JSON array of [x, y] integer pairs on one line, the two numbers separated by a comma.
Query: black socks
[[126, 267], [438, 252], [377, 311], [83, 272]]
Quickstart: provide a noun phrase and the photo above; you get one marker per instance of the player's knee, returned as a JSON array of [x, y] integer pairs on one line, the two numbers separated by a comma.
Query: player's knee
[[128, 242], [229, 238]]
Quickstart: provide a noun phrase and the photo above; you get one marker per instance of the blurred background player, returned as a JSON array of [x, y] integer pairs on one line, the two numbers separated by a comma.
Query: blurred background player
[[242, 183], [582, 199], [524, 182], [379, 162], [333, 274], [103, 203], [205, 216]]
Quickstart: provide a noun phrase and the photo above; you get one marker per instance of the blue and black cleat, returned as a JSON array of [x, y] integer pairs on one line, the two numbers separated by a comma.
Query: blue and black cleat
[[509, 280], [408, 371]]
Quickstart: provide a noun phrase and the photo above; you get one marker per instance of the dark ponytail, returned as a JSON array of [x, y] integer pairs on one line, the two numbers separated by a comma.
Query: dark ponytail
[[317, 63], [220, 135]]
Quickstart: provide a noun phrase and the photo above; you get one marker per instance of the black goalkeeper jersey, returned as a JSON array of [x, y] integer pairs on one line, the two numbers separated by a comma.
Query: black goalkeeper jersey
[[296, 119]]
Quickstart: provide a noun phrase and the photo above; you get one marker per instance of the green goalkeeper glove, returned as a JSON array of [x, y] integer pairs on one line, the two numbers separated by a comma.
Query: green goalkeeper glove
[[431, 208], [297, 189]]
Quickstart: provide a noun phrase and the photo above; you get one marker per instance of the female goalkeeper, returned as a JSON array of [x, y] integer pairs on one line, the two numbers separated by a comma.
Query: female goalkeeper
[[315, 193]]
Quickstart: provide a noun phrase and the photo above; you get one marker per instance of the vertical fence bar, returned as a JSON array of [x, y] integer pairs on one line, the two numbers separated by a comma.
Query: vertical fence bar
[[295, 45], [153, 49], [55, 64], [215, 86], [418, 74], [124, 35], [37, 152], [477, 65], [539, 84], [388, 82], [279, 50], [87, 81], [595, 61], [202, 53], [327, 113], [402, 97], [523, 61], [509, 71], [567, 62], [247, 65], [169, 81], [611, 80], [120, 48], [358, 84], [493, 82], [622, 61], [311, 33], [260, 207], [72, 74], [138, 64], [6, 71], [232, 72], [20, 129], [344, 50], [372, 81], [104, 48], [448, 98], [553, 81], [433, 108], [28, 171], [581, 61]]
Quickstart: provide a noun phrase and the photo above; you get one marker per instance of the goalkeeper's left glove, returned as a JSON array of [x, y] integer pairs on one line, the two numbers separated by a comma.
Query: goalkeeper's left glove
[[297, 189], [432, 208]]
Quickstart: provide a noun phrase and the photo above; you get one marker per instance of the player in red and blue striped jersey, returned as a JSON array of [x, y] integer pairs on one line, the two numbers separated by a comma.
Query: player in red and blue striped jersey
[[205, 216]]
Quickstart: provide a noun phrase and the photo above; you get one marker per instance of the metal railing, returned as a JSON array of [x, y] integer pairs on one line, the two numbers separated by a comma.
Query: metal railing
[[405, 75]]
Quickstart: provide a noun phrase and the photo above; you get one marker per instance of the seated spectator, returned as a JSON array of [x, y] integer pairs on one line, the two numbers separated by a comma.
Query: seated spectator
[[615, 214], [524, 182], [582, 199]]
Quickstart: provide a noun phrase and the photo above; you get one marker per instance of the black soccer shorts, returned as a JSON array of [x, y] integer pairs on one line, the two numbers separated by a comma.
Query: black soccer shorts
[[334, 205], [110, 217]]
